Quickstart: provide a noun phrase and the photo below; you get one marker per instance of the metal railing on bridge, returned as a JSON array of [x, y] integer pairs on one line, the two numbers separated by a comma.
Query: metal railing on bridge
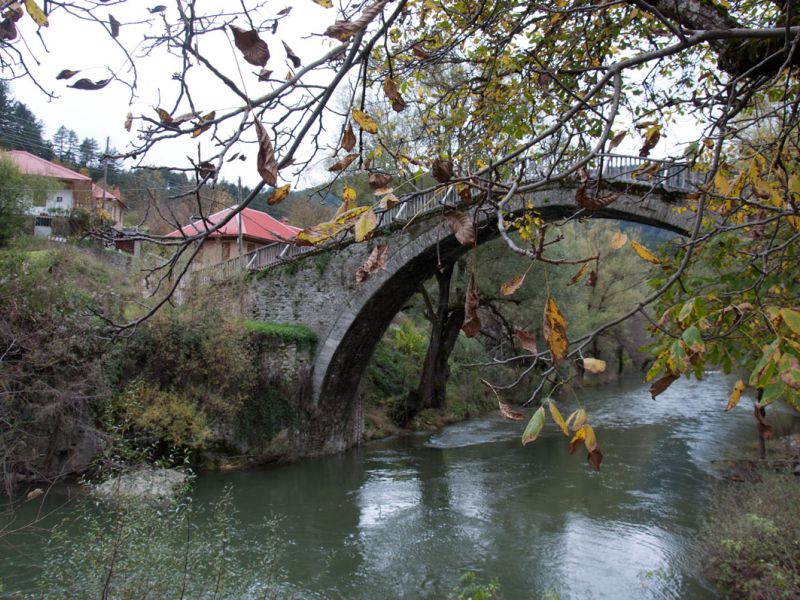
[[650, 173]]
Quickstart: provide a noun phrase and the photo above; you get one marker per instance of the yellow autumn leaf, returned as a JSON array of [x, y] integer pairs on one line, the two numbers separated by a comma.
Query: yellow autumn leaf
[[580, 434], [577, 419], [364, 121], [619, 240], [351, 215], [722, 184], [589, 437], [36, 13], [324, 3], [349, 195], [644, 253], [512, 285], [556, 414], [365, 225], [555, 332], [736, 394], [594, 365], [278, 194]]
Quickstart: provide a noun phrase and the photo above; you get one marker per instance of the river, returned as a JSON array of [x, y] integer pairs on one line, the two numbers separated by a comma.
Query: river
[[406, 517]]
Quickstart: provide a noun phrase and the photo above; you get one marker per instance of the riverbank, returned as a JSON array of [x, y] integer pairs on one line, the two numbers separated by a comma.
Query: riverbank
[[749, 545]]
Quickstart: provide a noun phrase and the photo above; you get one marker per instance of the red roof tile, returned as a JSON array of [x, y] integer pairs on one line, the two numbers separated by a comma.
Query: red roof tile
[[256, 225], [33, 165]]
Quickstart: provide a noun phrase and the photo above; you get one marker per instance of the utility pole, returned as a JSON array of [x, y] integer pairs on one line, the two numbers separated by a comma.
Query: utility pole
[[239, 216]]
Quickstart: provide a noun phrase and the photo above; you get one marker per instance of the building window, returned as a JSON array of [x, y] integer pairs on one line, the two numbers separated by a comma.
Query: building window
[[59, 199]]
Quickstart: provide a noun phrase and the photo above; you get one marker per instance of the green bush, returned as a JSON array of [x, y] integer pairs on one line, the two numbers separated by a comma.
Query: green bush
[[750, 544], [134, 549], [155, 416], [298, 334]]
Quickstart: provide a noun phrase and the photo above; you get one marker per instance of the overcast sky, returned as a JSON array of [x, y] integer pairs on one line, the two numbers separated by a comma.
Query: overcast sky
[[85, 46]]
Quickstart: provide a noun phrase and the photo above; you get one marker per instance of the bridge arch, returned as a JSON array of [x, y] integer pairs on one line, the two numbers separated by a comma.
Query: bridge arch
[[352, 317]]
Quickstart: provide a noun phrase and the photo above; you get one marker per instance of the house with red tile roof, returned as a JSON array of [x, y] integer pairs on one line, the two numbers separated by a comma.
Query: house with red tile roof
[[257, 229], [69, 189]]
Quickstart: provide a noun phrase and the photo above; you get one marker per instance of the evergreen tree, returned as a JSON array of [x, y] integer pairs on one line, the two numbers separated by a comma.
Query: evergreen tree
[[87, 153], [61, 143], [19, 127]]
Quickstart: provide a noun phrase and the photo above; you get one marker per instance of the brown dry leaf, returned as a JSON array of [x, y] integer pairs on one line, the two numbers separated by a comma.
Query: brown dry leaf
[[89, 85], [129, 121], [206, 170], [556, 414], [278, 194], [33, 494], [555, 332], [442, 170], [526, 341], [419, 51], [253, 48], [592, 280], [512, 285], [296, 62], [619, 240], [578, 275], [593, 202], [389, 201], [651, 137], [465, 193], [114, 25], [164, 116], [66, 74], [472, 323], [364, 121], [349, 138], [391, 91], [376, 262], [378, 181], [204, 124], [595, 458], [461, 226], [343, 163], [267, 163], [264, 74], [509, 413], [660, 385], [594, 365], [617, 140], [344, 30], [8, 31]]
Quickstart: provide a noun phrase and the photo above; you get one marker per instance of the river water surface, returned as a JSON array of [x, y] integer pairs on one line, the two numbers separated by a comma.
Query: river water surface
[[406, 517]]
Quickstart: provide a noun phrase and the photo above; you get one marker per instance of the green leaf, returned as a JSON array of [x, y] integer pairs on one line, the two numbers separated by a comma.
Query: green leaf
[[772, 392], [792, 319], [694, 340], [534, 427]]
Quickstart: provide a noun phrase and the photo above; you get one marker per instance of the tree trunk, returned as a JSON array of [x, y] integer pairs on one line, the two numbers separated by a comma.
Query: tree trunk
[[446, 321]]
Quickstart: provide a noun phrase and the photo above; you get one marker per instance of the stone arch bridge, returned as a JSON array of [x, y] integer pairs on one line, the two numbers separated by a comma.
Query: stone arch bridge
[[317, 287]]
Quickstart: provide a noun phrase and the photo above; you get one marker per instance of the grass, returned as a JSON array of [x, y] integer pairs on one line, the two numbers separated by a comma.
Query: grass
[[299, 334], [750, 543]]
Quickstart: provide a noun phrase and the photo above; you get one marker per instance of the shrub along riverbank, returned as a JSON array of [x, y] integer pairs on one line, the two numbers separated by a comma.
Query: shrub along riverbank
[[750, 543]]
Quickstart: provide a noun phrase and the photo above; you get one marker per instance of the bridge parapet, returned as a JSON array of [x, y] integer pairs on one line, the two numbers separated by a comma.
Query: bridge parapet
[[642, 173]]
